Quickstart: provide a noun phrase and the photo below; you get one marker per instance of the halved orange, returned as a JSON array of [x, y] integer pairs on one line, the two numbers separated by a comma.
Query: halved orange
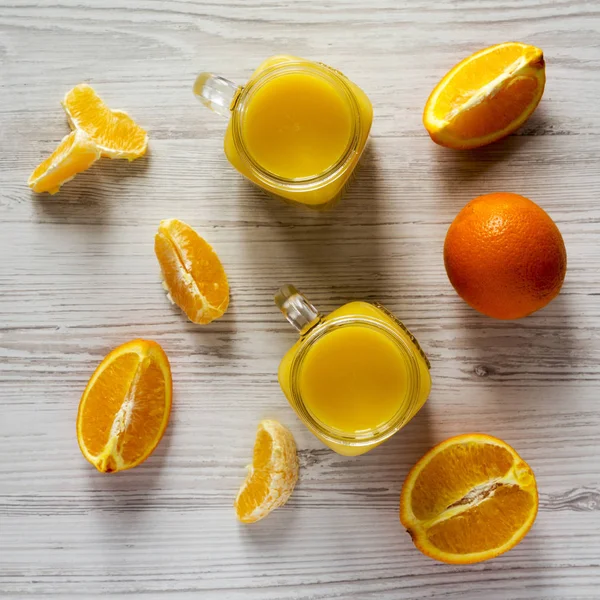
[[75, 153], [469, 499], [192, 272], [487, 96], [114, 131], [271, 476], [125, 407]]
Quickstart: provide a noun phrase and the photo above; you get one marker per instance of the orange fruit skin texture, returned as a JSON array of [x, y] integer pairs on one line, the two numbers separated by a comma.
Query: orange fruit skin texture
[[469, 499], [125, 408], [505, 256], [486, 96], [192, 272]]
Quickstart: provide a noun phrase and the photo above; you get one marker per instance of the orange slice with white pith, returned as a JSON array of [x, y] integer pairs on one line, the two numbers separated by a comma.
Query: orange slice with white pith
[[486, 96], [469, 499], [125, 407]]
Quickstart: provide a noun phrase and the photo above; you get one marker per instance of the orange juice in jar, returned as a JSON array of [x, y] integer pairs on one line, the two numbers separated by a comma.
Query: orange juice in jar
[[355, 376], [296, 129]]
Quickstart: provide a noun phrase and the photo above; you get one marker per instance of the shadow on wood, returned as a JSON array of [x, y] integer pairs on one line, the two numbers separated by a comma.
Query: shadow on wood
[[333, 256], [466, 174], [537, 351]]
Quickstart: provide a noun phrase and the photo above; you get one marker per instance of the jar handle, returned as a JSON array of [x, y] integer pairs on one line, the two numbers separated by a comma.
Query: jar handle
[[297, 309], [217, 93]]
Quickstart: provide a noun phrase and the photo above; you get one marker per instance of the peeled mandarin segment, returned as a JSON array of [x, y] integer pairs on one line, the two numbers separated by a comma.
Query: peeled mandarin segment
[[486, 96], [178, 282], [272, 475], [115, 132], [125, 408], [192, 272], [199, 259], [76, 153], [469, 499]]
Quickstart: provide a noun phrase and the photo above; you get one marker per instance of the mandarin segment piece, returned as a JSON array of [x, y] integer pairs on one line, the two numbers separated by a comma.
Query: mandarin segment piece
[[125, 407], [75, 153], [192, 272], [486, 96], [469, 499], [271, 476], [114, 131]]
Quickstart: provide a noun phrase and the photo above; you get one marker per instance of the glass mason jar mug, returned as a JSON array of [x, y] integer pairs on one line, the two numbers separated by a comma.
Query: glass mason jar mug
[[355, 376], [296, 129]]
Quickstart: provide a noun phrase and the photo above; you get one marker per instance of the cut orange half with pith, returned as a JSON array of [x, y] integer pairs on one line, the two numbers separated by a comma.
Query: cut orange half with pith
[[486, 97], [192, 272], [272, 474], [113, 131], [125, 407], [75, 153], [469, 499]]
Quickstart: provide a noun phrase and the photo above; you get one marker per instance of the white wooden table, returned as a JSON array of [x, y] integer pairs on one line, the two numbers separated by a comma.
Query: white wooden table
[[78, 276]]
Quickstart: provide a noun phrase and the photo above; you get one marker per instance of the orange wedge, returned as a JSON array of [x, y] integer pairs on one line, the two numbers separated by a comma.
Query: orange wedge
[[469, 499], [192, 272], [486, 97], [114, 131], [125, 407], [76, 153], [271, 476]]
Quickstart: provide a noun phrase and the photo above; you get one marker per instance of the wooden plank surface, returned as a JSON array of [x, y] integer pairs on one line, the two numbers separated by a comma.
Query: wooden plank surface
[[78, 276]]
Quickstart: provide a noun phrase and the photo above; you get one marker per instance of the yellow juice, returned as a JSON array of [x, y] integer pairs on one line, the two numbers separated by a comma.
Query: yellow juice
[[297, 125], [353, 378], [298, 129], [356, 377]]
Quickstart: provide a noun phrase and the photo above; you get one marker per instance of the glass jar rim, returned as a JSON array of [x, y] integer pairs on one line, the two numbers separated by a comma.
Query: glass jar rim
[[312, 182], [406, 408]]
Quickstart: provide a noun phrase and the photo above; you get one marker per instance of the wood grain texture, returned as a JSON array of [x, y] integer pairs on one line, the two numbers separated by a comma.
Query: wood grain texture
[[78, 276]]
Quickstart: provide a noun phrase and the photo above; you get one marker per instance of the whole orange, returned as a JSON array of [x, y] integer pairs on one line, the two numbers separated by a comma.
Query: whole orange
[[505, 256]]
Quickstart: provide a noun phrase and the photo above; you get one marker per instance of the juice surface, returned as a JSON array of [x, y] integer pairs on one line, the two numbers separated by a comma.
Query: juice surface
[[353, 379], [297, 125], [268, 139], [337, 388]]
